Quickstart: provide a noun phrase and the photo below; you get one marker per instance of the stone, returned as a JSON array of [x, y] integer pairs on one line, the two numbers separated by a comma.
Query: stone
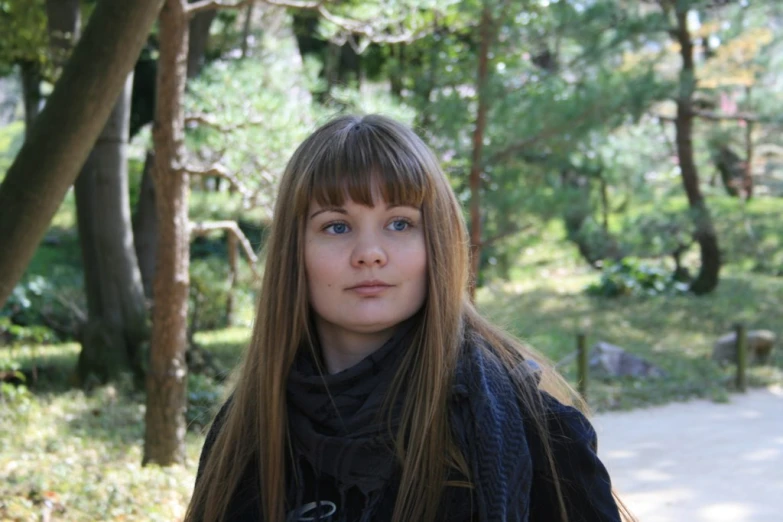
[[760, 345], [612, 361]]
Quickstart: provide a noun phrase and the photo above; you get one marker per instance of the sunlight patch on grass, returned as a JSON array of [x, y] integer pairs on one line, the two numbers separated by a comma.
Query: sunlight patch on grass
[[81, 454]]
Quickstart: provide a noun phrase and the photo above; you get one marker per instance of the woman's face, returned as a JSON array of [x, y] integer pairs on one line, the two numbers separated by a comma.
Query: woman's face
[[366, 266]]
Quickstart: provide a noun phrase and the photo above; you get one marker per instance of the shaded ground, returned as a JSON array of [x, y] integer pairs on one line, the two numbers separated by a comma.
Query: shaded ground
[[699, 461]]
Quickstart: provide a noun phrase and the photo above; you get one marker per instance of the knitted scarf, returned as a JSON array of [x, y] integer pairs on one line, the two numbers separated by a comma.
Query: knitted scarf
[[336, 426], [337, 423]]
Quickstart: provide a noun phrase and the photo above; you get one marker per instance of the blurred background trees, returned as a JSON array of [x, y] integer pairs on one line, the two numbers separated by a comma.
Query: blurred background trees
[[643, 136]]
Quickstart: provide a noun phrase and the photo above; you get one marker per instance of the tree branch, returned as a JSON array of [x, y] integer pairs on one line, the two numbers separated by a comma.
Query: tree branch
[[195, 120], [354, 27], [511, 232], [717, 116], [219, 171], [204, 228], [209, 5]]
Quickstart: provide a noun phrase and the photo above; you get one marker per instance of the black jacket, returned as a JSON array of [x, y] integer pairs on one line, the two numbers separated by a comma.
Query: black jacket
[[584, 480]]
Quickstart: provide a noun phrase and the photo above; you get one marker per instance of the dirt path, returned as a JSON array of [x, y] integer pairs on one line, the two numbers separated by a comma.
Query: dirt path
[[699, 461]]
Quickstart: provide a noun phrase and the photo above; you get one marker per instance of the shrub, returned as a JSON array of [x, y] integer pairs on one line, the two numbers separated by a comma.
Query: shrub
[[631, 276]]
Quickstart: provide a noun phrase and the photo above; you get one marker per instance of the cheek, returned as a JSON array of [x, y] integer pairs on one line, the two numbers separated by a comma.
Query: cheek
[[320, 267]]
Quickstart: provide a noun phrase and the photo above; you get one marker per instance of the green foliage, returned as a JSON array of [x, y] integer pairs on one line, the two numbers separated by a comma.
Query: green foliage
[[11, 139], [631, 276], [23, 26], [39, 304], [208, 293]]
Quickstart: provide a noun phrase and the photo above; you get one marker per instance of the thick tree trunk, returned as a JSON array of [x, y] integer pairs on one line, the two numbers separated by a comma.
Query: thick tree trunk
[[167, 375], [145, 226], [65, 131], [478, 149], [63, 18], [30, 73], [705, 235], [117, 312]]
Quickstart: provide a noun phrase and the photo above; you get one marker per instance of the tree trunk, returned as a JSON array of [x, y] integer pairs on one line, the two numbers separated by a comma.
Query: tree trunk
[[167, 375], [63, 19], [247, 25], [65, 131], [145, 227], [117, 312], [198, 39], [705, 235], [30, 73], [478, 149]]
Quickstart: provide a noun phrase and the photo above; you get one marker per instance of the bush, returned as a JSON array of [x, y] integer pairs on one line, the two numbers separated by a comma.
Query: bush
[[42, 310], [632, 276]]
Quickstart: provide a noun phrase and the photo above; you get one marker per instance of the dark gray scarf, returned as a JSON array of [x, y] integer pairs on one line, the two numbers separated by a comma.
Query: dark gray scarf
[[337, 423], [340, 432]]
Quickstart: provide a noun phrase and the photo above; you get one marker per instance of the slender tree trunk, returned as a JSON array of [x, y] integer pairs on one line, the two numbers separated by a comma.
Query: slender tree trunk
[[198, 39], [30, 73], [748, 170], [478, 149], [705, 235], [231, 241], [145, 226], [65, 131], [117, 312], [246, 28], [167, 375], [604, 203]]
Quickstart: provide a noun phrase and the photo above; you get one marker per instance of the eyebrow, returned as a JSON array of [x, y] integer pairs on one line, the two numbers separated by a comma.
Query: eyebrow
[[341, 210]]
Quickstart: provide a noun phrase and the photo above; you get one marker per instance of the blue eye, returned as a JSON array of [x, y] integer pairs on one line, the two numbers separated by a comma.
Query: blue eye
[[399, 225], [336, 228]]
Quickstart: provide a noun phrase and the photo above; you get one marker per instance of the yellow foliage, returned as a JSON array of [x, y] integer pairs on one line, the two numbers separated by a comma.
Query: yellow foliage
[[732, 63]]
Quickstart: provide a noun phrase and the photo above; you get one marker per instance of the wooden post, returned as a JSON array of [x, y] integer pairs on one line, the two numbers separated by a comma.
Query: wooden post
[[742, 357], [582, 366]]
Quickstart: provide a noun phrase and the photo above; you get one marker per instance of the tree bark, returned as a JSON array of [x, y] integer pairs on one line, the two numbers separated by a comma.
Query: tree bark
[[167, 375], [65, 131], [705, 234], [246, 26], [117, 313], [63, 18], [30, 73], [145, 226], [478, 149], [198, 39]]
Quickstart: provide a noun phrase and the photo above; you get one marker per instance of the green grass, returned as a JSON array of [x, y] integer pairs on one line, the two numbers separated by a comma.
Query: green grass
[[676, 333], [79, 454]]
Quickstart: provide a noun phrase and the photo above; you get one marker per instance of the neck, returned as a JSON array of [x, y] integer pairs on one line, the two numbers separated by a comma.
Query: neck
[[341, 349]]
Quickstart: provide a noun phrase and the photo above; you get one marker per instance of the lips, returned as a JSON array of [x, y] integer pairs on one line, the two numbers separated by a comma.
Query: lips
[[373, 287]]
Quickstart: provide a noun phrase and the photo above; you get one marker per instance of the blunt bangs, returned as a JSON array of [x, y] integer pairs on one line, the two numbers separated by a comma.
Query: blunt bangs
[[362, 160]]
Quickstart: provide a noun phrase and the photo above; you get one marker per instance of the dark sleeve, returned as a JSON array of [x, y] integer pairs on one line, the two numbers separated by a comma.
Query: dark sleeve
[[585, 483], [212, 434]]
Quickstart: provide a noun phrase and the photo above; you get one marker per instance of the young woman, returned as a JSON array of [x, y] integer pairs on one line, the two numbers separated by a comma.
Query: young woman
[[372, 390]]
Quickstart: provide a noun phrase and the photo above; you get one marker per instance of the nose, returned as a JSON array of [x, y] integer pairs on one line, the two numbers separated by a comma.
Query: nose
[[368, 252]]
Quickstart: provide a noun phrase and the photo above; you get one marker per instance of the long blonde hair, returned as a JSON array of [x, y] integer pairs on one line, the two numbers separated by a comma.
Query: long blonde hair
[[349, 157]]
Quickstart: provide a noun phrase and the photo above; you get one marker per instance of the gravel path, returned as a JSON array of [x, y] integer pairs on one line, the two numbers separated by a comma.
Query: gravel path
[[699, 461]]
